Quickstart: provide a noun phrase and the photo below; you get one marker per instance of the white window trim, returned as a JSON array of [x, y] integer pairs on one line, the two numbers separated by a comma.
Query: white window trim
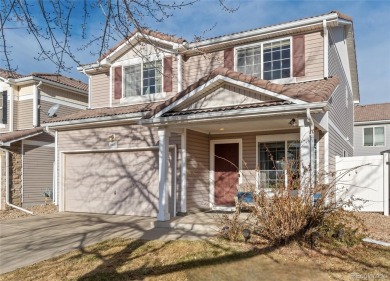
[[273, 138], [373, 136], [290, 79], [142, 98], [212, 168]]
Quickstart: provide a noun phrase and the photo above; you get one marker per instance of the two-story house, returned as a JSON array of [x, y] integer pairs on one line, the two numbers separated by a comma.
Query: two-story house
[[175, 126], [26, 149], [371, 129]]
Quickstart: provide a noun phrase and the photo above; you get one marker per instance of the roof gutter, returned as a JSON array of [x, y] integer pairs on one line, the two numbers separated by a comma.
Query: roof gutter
[[275, 28], [237, 114], [130, 117]]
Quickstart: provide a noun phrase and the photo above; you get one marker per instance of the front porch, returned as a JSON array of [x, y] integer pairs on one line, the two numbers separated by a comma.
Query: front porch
[[217, 157]]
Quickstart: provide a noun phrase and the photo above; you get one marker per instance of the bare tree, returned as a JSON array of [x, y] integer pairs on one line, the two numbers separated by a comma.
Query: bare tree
[[53, 22]]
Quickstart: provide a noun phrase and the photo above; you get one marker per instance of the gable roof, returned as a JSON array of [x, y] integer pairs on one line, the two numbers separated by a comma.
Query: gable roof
[[9, 74], [67, 81], [52, 77], [311, 91], [104, 112], [19, 135], [147, 33], [372, 112]]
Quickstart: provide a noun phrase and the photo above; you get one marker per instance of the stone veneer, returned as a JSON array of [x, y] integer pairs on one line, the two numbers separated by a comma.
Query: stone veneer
[[15, 173]]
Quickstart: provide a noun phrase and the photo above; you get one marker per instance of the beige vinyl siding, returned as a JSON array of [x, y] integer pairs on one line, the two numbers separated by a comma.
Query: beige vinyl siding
[[360, 149], [44, 137], [198, 167], [341, 110], [227, 95], [64, 95], [37, 173], [314, 56], [100, 90], [26, 90], [63, 110], [23, 114], [196, 67]]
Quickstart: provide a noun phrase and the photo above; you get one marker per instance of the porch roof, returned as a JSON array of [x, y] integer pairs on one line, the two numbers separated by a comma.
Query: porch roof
[[14, 136], [309, 91]]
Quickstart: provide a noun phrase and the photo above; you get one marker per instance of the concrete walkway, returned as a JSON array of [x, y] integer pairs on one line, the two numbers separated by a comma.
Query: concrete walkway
[[30, 240]]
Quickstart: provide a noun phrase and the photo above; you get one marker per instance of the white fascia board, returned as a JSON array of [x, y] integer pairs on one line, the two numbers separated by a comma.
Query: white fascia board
[[239, 113], [360, 123], [204, 87], [97, 120], [265, 30]]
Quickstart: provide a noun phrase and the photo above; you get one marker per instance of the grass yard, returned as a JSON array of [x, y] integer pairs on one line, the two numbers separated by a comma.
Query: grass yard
[[214, 259]]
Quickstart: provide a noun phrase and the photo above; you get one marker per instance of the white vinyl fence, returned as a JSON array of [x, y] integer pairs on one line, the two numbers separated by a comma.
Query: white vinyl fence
[[367, 178]]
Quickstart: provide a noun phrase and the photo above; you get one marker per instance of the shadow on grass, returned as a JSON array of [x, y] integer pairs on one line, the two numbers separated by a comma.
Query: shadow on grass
[[108, 270]]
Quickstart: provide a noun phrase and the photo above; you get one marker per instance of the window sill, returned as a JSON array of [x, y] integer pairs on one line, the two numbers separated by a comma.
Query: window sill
[[285, 80], [143, 98]]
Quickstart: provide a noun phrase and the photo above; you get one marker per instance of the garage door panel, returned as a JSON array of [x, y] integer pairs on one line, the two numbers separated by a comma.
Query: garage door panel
[[124, 183]]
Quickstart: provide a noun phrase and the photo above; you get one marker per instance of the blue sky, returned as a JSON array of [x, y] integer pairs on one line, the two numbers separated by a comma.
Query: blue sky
[[207, 19]]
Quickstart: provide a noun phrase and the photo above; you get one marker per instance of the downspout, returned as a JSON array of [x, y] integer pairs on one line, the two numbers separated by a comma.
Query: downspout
[[179, 73], [55, 135], [89, 88], [35, 104], [311, 146], [7, 185], [326, 42]]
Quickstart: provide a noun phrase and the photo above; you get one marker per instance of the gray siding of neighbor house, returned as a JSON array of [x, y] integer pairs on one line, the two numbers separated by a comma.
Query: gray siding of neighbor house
[[37, 173], [360, 149], [63, 110], [38, 160], [100, 90], [341, 110]]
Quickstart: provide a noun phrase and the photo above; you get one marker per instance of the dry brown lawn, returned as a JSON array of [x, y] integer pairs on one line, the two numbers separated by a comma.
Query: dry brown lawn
[[214, 259]]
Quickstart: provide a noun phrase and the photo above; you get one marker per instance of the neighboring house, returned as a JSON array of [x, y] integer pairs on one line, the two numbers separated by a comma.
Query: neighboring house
[[371, 129], [165, 115], [26, 149]]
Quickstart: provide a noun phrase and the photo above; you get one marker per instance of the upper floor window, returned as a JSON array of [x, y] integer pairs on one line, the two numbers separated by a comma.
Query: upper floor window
[[3, 107], [268, 61], [374, 136], [143, 79]]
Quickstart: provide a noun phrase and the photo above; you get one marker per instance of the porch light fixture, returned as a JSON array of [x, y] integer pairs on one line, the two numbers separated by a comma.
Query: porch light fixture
[[222, 129], [293, 122]]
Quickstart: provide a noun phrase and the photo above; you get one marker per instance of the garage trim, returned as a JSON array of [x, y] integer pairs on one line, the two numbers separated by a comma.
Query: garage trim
[[83, 151]]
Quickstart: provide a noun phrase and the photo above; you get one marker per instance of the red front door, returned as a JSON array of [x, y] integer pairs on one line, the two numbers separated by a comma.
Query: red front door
[[226, 163]]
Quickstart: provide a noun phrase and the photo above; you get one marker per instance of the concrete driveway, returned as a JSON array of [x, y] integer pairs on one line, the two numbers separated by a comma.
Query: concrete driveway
[[30, 240]]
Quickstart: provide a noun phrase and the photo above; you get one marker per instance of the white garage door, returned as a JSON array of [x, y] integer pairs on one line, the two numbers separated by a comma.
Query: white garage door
[[122, 183]]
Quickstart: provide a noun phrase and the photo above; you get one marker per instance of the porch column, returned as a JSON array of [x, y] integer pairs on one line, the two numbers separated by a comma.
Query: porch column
[[163, 199], [183, 199], [306, 153]]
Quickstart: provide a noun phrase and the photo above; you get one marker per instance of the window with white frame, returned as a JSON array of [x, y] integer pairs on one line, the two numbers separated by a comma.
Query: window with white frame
[[269, 60], [374, 136], [278, 163], [143, 79]]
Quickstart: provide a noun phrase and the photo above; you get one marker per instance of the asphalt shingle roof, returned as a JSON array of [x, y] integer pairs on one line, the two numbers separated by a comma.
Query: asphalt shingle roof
[[372, 112]]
